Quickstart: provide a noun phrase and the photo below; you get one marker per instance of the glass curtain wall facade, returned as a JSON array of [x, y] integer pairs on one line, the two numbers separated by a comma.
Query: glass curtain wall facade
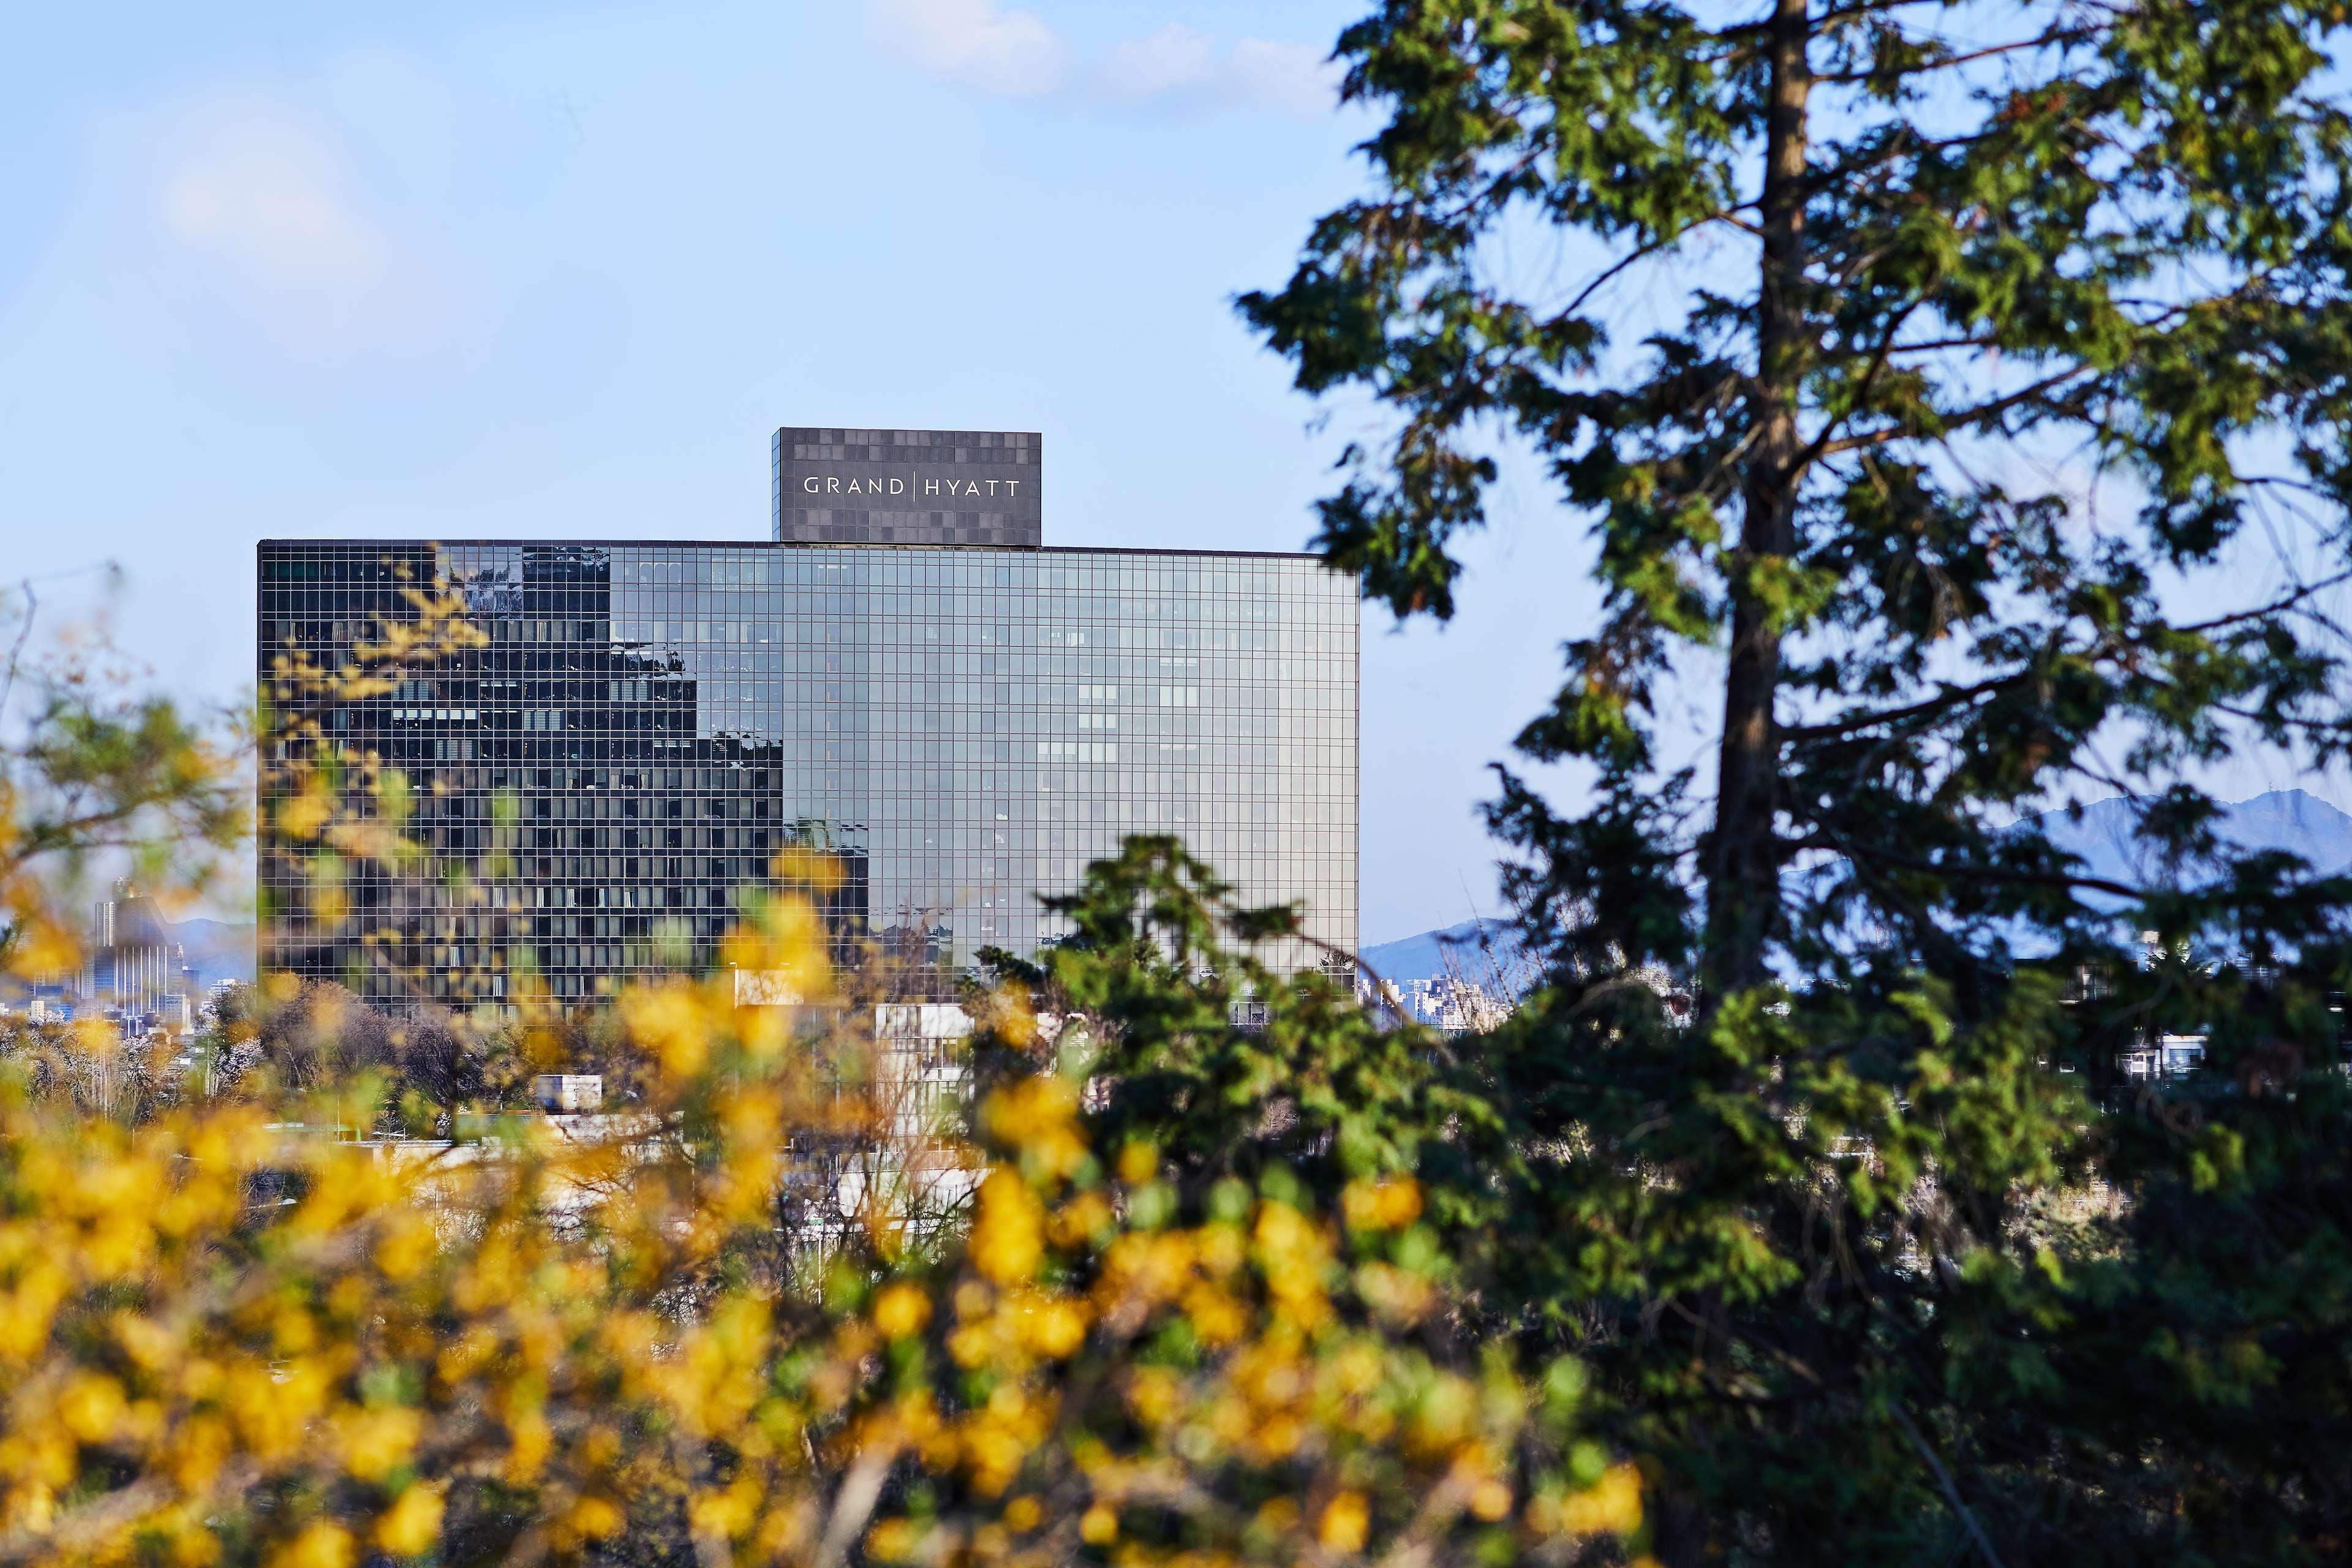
[[960, 728]]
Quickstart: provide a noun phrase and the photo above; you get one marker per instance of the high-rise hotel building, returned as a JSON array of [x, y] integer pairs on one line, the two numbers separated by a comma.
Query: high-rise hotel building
[[905, 680]]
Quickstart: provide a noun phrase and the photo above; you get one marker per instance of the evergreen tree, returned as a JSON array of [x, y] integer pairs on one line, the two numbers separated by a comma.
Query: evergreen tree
[[1878, 1258]]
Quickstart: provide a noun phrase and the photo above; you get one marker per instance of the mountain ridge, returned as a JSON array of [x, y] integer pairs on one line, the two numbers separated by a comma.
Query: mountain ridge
[[1474, 949], [215, 950], [2106, 835]]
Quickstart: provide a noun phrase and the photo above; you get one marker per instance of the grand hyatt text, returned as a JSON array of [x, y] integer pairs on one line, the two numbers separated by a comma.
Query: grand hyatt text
[[966, 487]]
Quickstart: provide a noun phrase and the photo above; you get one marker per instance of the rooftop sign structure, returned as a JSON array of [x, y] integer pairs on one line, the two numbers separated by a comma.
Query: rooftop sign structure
[[840, 486]]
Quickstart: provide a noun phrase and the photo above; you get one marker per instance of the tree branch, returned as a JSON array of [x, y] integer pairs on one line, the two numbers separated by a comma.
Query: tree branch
[[16, 654], [1977, 415], [1976, 873], [2054, 36], [1642, 253], [1944, 1479], [1951, 696]]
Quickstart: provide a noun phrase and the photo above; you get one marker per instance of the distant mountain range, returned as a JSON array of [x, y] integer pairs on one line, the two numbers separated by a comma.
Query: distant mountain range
[[1475, 951], [215, 950], [2104, 835], [2294, 820]]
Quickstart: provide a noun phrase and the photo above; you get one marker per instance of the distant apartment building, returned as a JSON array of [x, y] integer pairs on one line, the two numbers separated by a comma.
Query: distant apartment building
[[904, 681], [136, 964], [1449, 1003]]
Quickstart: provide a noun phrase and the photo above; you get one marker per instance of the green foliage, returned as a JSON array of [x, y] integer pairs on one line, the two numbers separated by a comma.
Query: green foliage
[[1228, 1069], [1879, 1256]]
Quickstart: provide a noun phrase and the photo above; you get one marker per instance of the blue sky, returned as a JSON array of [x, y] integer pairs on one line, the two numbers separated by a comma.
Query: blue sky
[[557, 269]]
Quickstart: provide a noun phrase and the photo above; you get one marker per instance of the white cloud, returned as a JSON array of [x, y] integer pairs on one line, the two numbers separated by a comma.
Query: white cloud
[[1181, 65], [1014, 53], [266, 204], [1292, 79], [975, 43]]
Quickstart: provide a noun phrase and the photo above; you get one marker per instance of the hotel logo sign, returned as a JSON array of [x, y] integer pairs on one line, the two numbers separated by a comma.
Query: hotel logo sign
[[836, 486], [954, 489]]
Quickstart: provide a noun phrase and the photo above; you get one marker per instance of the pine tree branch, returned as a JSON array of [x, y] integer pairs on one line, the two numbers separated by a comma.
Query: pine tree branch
[[2260, 612], [1820, 443], [1642, 253], [2055, 35], [1951, 697], [1824, 21], [1979, 415], [1971, 873]]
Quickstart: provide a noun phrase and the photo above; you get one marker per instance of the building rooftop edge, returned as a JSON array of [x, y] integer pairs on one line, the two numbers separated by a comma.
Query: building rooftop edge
[[805, 544], [907, 430]]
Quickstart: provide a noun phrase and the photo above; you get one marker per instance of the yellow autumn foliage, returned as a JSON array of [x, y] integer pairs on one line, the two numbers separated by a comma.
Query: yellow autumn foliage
[[223, 1342]]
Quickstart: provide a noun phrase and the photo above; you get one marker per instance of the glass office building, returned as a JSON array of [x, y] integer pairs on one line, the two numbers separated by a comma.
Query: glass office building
[[957, 726]]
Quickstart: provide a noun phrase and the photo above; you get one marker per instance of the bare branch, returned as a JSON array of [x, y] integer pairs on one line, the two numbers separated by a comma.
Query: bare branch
[[1944, 1480]]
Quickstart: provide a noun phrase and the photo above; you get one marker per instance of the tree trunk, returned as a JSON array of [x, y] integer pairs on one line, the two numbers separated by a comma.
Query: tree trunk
[[1743, 860]]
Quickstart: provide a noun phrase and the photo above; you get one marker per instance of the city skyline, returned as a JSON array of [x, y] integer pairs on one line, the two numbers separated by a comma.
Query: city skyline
[[363, 277], [292, 271]]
